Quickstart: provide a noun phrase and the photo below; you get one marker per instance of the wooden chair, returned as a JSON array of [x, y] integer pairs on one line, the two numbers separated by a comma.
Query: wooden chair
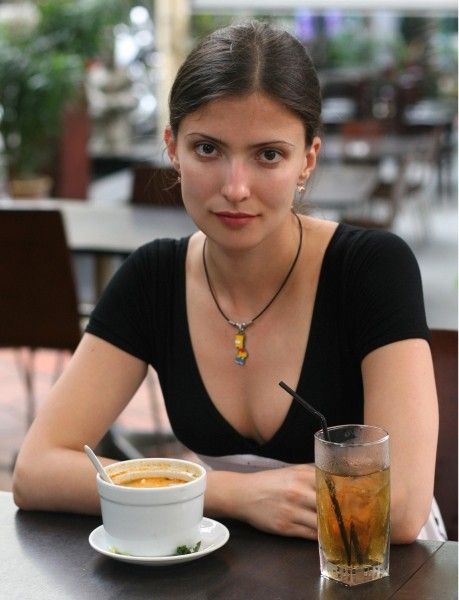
[[364, 128], [421, 193], [444, 353], [155, 185], [383, 204], [361, 139], [38, 300]]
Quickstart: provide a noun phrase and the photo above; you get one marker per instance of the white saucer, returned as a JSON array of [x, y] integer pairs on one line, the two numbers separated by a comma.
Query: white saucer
[[213, 536]]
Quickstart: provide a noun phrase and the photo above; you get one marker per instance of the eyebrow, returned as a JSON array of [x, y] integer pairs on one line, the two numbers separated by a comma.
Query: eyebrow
[[222, 143]]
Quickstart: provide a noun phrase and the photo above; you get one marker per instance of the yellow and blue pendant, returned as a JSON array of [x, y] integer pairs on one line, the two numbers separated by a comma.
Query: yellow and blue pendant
[[239, 343]]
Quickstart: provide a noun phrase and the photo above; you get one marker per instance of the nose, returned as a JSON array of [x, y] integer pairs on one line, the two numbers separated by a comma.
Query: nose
[[236, 186]]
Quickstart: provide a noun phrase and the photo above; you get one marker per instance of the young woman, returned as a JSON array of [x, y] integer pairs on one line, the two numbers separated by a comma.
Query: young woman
[[259, 294]]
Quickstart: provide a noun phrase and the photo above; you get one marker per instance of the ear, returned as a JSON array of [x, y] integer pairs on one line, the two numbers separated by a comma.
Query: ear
[[171, 146], [310, 158]]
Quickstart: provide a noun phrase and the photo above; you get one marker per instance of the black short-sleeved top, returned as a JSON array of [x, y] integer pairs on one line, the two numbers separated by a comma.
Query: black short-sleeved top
[[369, 294]]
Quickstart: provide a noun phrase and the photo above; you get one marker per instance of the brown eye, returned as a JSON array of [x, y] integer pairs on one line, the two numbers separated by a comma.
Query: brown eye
[[270, 155], [205, 149]]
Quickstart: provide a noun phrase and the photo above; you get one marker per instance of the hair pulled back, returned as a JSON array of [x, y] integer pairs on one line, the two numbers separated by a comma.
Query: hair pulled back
[[246, 58]]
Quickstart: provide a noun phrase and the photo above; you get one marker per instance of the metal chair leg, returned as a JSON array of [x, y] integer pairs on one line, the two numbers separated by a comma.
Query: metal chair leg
[[153, 388], [59, 365], [25, 362]]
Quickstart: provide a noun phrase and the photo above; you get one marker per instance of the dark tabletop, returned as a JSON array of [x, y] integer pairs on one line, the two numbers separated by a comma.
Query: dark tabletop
[[46, 556]]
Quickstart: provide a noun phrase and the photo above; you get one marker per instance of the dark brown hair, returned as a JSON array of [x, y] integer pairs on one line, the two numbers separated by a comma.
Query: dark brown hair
[[246, 58]]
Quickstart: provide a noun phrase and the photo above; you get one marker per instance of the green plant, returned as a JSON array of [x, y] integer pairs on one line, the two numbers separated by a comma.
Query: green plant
[[82, 27], [41, 74], [36, 85]]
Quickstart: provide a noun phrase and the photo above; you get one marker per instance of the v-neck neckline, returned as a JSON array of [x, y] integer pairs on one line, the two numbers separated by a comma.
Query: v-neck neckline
[[213, 411]]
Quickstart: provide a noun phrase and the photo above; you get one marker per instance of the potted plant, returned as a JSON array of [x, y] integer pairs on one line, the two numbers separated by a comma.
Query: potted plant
[[42, 69]]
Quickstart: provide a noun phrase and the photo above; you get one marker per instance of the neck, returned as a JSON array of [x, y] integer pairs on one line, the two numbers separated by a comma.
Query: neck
[[244, 281]]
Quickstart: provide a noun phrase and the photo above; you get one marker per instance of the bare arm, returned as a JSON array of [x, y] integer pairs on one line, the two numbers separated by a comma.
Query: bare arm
[[281, 501], [400, 396], [52, 472]]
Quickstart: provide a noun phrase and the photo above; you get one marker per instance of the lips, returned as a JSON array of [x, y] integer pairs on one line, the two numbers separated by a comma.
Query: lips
[[234, 215], [234, 219]]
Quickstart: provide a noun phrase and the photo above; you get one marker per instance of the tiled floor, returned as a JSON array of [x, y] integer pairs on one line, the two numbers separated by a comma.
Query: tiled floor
[[437, 256]]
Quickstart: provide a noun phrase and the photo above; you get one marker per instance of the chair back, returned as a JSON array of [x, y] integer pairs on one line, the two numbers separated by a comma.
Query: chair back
[[38, 300], [155, 185], [383, 203], [423, 168], [444, 353], [365, 128]]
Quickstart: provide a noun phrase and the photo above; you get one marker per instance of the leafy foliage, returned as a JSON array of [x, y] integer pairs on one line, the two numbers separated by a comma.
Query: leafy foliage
[[81, 27], [35, 87], [41, 73]]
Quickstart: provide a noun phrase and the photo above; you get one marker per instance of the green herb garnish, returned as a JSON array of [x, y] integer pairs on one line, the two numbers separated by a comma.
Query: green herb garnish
[[187, 549]]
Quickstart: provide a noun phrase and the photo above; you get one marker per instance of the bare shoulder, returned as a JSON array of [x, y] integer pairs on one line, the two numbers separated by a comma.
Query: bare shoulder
[[319, 227], [194, 253], [317, 234]]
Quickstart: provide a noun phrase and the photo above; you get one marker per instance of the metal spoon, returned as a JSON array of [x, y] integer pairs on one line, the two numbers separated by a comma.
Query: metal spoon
[[96, 462]]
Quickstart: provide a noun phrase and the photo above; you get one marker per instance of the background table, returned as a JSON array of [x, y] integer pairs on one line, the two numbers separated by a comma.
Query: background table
[[340, 186], [105, 231], [111, 230], [47, 556], [108, 233], [122, 228], [373, 149]]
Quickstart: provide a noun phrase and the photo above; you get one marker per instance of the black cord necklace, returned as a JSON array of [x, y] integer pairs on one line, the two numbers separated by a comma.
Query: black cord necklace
[[239, 338]]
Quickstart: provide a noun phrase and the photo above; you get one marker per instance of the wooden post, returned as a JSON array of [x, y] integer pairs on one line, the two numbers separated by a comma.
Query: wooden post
[[171, 18], [73, 167]]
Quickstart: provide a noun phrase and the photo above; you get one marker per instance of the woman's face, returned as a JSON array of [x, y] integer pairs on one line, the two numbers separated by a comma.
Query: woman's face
[[240, 160]]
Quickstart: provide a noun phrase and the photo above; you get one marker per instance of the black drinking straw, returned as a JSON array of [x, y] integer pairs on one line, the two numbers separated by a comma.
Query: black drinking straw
[[329, 482], [308, 407]]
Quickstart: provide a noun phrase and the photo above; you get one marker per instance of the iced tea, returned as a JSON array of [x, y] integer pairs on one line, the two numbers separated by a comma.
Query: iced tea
[[364, 504], [353, 504]]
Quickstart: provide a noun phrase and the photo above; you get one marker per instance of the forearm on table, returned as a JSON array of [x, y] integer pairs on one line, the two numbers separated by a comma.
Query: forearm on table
[[59, 480], [400, 397], [223, 494], [412, 484], [409, 512]]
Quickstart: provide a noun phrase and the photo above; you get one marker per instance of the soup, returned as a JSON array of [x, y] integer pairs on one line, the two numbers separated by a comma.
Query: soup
[[150, 482]]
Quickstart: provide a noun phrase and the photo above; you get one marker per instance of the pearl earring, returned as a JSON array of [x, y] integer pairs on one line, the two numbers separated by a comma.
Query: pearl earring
[[300, 188], [179, 179]]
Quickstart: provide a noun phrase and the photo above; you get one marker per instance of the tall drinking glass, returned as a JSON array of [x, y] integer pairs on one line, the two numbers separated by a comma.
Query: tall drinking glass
[[353, 503]]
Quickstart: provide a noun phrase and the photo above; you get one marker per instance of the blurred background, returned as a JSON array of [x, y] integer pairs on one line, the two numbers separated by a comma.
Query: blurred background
[[83, 104], [104, 69]]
